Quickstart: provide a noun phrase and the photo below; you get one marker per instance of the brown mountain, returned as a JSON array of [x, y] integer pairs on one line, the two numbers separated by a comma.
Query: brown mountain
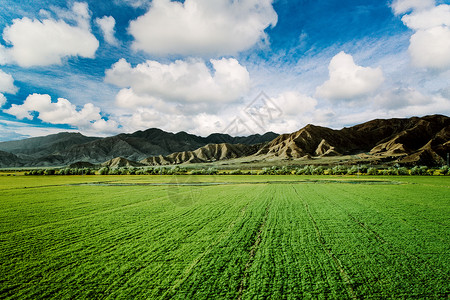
[[208, 153], [410, 141], [120, 162], [67, 148]]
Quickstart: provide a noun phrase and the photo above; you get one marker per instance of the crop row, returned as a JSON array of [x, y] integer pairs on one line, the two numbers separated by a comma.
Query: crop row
[[246, 241]]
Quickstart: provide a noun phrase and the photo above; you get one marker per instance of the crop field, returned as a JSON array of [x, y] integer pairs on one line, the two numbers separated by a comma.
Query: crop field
[[224, 237]]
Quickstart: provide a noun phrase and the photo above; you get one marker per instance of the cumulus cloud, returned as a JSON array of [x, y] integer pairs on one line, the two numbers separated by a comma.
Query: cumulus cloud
[[430, 48], [295, 103], [202, 27], [60, 112], [40, 43], [107, 24], [348, 80], [182, 81], [298, 110], [404, 6], [430, 44], [7, 83]]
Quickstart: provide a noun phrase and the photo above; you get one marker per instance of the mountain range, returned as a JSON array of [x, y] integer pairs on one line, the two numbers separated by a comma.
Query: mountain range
[[67, 148], [411, 141]]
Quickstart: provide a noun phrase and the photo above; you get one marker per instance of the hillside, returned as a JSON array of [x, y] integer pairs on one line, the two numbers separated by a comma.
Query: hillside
[[412, 141], [408, 141], [208, 153], [67, 148]]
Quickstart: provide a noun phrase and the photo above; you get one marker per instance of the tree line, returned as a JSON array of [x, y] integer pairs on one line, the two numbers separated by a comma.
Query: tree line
[[275, 170]]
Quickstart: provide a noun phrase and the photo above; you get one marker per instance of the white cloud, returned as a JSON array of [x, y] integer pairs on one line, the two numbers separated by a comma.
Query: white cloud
[[422, 105], [7, 83], [107, 24], [61, 112], [404, 6], [299, 110], [430, 44], [127, 98], [2, 100], [399, 98], [47, 42], [294, 103], [430, 48], [348, 80], [188, 81], [427, 19], [104, 126], [202, 27], [4, 55]]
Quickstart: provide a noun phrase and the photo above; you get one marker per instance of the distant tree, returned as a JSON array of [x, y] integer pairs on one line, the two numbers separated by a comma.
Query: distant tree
[[236, 172], [402, 171], [363, 169], [132, 170], [339, 170], [49, 172], [424, 170], [318, 170], [211, 171], [140, 172], [122, 171], [353, 170], [104, 171], [372, 171], [391, 171]]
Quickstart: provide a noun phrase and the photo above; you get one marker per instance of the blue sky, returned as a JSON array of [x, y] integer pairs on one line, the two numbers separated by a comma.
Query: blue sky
[[105, 67]]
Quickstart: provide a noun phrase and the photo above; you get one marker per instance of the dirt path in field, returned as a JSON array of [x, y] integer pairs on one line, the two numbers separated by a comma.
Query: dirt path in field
[[252, 253], [327, 250]]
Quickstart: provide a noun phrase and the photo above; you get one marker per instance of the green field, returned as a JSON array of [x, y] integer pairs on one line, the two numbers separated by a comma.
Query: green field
[[226, 237]]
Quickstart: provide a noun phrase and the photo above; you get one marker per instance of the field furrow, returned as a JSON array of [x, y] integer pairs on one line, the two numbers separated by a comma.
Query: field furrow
[[278, 240]]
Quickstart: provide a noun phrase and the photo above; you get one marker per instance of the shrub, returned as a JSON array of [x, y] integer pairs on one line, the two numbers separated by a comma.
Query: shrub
[[391, 171], [49, 172], [318, 170], [363, 169], [352, 171], [372, 171], [104, 171], [211, 171], [339, 170], [123, 171], [402, 171], [424, 170], [198, 172]]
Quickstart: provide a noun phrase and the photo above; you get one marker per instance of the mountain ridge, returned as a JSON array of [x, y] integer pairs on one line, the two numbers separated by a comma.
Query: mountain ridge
[[67, 148], [409, 141]]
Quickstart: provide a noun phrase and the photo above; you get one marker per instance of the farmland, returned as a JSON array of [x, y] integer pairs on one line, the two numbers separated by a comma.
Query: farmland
[[229, 237]]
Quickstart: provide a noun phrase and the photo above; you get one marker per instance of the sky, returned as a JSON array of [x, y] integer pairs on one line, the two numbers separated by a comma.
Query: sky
[[228, 66]]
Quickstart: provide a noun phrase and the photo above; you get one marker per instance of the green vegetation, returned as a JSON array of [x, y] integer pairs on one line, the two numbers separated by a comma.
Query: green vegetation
[[228, 237], [274, 170]]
